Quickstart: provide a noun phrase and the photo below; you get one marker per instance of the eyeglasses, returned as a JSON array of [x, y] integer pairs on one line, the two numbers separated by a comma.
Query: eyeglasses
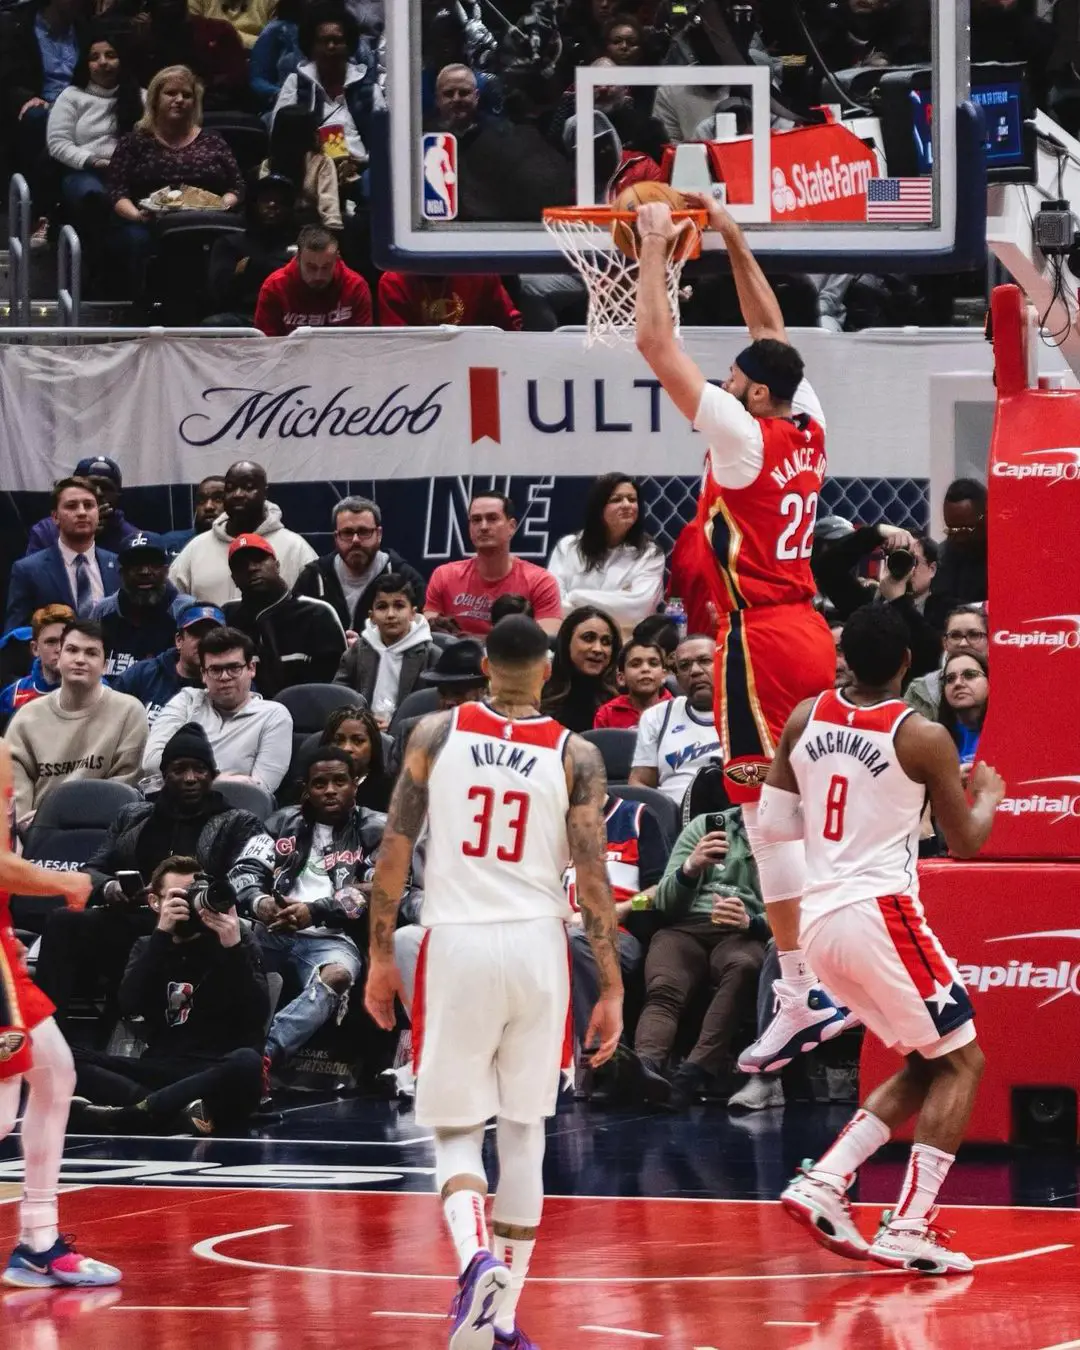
[[230, 672], [965, 675], [693, 663], [966, 635], [347, 536]]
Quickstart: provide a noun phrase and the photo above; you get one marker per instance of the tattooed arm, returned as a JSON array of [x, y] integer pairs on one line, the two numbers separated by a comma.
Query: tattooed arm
[[587, 836], [404, 821]]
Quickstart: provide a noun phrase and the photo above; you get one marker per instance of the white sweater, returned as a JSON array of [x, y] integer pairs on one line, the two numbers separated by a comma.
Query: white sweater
[[201, 568], [628, 586], [255, 741], [82, 126]]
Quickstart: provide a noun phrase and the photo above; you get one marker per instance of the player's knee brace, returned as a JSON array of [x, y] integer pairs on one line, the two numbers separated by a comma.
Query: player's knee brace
[[458, 1153], [781, 864], [519, 1201]]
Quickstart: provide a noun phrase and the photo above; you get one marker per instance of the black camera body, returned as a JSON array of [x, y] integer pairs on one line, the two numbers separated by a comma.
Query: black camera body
[[214, 894]]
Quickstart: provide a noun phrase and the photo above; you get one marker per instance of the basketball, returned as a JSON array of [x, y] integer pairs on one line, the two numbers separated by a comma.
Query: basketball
[[623, 233]]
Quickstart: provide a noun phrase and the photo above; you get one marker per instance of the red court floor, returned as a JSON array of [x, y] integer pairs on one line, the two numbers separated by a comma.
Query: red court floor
[[275, 1270]]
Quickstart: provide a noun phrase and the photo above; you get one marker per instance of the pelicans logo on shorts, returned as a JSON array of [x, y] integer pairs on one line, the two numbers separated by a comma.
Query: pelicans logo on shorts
[[11, 1042], [748, 773]]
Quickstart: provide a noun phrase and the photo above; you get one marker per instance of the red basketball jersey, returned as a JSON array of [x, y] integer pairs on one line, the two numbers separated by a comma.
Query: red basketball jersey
[[760, 536]]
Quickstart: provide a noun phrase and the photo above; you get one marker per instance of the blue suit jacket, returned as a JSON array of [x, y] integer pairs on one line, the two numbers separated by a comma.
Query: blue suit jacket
[[42, 579]]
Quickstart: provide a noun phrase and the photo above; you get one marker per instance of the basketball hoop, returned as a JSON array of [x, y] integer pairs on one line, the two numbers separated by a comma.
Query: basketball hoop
[[585, 234]]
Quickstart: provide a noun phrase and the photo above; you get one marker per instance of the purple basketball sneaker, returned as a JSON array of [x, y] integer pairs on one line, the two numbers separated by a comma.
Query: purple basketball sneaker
[[482, 1289], [514, 1340]]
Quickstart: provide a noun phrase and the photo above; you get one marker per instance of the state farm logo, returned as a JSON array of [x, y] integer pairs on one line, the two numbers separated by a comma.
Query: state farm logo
[[812, 184], [1053, 633], [1059, 979], [1058, 465], [1060, 804], [783, 199]]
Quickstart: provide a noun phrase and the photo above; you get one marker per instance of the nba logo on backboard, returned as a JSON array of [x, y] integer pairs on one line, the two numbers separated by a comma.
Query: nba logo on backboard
[[440, 176]]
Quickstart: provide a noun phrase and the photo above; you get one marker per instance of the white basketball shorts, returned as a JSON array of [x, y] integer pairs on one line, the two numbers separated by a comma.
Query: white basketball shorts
[[491, 1022]]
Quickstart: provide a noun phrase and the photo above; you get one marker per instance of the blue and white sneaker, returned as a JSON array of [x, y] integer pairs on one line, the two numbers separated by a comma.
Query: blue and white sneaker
[[480, 1295], [60, 1265], [803, 1019]]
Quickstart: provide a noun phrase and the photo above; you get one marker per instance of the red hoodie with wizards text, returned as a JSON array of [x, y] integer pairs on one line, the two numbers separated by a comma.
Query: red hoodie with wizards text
[[287, 302]]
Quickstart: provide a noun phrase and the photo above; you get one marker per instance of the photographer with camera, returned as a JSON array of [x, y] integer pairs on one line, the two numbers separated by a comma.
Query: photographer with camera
[[910, 565], [198, 984], [187, 817], [325, 851]]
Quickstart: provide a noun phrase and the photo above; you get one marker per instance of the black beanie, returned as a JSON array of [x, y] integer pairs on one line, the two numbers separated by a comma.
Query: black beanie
[[190, 742]]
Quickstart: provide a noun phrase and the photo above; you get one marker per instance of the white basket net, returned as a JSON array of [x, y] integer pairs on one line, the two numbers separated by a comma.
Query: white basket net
[[610, 278]]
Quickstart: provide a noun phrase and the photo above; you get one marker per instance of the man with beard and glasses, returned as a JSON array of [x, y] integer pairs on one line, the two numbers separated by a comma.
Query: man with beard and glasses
[[677, 737], [187, 816], [202, 568], [347, 577], [139, 620]]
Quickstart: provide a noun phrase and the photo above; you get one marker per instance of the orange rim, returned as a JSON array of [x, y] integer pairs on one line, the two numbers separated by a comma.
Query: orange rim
[[608, 215]]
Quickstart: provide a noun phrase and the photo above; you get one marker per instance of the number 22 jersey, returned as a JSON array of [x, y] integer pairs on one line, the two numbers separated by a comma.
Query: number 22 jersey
[[497, 803]]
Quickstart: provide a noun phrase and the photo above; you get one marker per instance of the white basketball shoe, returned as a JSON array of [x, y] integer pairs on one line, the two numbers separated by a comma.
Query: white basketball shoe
[[825, 1212], [918, 1245], [804, 1018]]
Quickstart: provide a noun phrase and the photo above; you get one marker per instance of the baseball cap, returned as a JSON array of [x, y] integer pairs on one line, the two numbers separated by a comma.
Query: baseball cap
[[200, 614], [142, 543], [256, 541], [99, 466]]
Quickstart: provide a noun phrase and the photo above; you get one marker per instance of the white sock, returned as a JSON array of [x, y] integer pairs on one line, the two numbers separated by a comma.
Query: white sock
[[465, 1218], [860, 1138], [515, 1256], [795, 967], [51, 1079], [926, 1172]]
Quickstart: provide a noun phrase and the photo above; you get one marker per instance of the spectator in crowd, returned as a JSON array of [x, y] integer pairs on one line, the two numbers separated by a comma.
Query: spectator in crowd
[[202, 568], [611, 562], [241, 261], [81, 730], [585, 24], [460, 594], [248, 17], [664, 631], [82, 949], [640, 672], [408, 299], [843, 671], [961, 573], [296, 154], [47, 626], [346, 577], [337, 88], [168, 147], [276, 53], [510, 604], [137, 621], [355, 731], [209, 504], [102, 103], [675, 739], [457, 677], [313, 290], [325, 855], [964, 696], [209, 47], [297, 640], [394, 649], [624, 40], [104, 476], [73, 571], [965, 631], [198, 984], [457, 100], [582, 676], [714, 938], [157, 679], [251, 737]]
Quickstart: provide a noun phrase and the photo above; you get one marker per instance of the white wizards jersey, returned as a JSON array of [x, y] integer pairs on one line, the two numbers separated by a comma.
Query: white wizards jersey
[[497, 802], [861, 812]]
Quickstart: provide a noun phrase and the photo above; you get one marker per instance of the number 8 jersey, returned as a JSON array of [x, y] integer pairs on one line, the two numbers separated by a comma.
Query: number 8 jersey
[[861, 811], [497, 803]]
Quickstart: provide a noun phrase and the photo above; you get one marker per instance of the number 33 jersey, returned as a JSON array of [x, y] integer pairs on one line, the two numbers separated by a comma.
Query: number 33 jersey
[[497, 803], [861, 812]]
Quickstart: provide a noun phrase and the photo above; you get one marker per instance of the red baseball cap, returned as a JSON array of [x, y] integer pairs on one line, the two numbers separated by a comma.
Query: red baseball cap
[[255, 541]]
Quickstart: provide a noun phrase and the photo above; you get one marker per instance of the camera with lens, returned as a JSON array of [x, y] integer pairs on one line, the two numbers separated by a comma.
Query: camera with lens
[[210, 893], [900, 563]]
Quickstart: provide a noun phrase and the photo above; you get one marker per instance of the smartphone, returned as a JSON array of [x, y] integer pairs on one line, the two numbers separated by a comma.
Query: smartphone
[[131, 883], [714, 820]]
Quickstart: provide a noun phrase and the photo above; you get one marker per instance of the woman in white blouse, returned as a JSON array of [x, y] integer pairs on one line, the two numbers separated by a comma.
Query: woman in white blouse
[[612, 562]]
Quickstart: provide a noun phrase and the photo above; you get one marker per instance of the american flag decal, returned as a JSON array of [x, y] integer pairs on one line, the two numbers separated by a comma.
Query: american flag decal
[[899, 200]]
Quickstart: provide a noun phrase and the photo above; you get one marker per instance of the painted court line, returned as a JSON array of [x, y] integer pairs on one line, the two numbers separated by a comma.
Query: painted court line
[[421, 1316], [173, 1307], [1062, 1345], [791, 1324], [622, 1331]]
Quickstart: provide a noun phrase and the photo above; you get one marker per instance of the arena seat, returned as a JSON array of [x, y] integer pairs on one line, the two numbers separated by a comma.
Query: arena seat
[[247, 797], [416, 704], [616, 745], [310, 705], [244, 133]]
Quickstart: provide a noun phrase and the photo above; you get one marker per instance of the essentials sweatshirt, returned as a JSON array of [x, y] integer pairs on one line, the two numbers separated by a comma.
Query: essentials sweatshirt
[[51, 745]]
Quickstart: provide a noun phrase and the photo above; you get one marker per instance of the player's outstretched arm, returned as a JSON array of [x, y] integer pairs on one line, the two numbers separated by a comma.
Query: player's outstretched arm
[[682, 380], [404, 821], [757, 300], [780, 818], [587, 784], [927, 754]]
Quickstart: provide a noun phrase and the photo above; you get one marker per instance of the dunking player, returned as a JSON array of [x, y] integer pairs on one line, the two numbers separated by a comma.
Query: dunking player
[[510, 798], [850, 778], [32, 1047], [765, 433]]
